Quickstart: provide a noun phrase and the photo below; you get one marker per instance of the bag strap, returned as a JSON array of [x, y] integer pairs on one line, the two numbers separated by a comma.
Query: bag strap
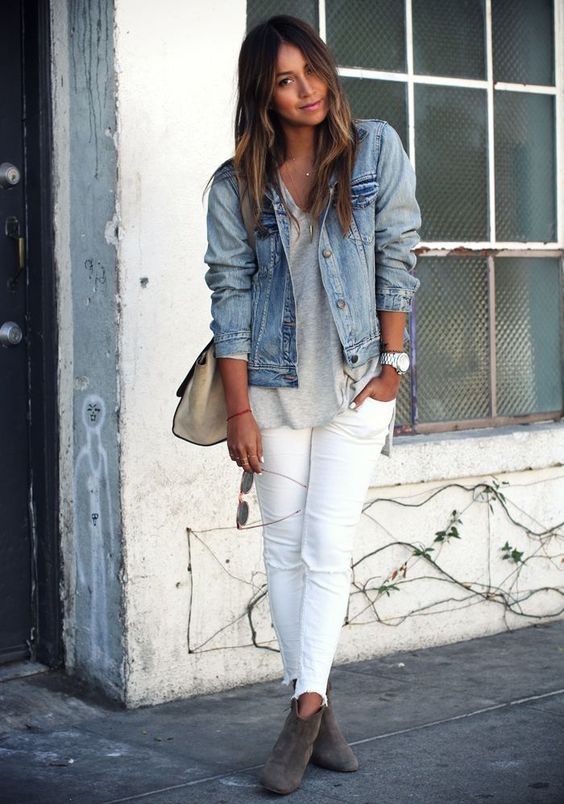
[[246, 211]]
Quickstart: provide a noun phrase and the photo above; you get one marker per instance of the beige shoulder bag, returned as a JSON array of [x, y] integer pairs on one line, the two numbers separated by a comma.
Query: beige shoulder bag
[[200, 416]]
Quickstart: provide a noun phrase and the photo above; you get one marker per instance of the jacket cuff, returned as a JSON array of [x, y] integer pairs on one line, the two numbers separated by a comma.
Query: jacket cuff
[[395, 300], [230, 345], [238, 356]]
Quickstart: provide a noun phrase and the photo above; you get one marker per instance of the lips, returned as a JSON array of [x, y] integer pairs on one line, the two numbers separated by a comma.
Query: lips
[[314, 105]]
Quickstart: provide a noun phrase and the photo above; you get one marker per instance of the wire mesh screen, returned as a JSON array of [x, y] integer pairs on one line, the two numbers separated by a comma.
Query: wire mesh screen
[[523, 41], [525, 166], [452, 339], [528, 341], [261, 10], [386, 100], [404, 409], [448, 38], [452, 162], [367, 34]]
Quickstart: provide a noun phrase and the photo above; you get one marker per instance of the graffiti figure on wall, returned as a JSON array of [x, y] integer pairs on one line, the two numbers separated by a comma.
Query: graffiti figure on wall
[[94, 533]]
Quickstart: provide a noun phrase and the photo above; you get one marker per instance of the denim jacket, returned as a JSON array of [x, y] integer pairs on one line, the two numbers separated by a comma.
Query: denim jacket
[[252, 304]]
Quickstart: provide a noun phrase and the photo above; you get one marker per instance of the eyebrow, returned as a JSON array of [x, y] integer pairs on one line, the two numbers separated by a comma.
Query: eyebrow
[[291, 72]]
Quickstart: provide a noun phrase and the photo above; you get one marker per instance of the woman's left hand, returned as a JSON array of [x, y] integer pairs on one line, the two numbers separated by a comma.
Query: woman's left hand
[[383, 387]]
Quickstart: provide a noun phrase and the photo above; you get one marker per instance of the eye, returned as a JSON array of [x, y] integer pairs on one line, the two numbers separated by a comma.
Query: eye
[[282, 83]]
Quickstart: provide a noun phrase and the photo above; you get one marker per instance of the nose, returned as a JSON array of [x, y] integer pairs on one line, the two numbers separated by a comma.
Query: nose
[[305, 87]]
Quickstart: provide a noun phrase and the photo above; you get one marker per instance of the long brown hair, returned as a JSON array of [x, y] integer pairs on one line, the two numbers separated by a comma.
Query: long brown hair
[[260, 144]]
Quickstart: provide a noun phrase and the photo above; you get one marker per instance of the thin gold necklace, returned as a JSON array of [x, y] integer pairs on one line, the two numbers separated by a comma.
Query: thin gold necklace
[[300, 206]]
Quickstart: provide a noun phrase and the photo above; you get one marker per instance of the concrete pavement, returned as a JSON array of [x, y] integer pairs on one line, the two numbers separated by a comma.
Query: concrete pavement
[[474, 721]]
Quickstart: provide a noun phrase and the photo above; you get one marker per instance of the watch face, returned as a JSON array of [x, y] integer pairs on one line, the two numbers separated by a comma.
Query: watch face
[[403, 362]]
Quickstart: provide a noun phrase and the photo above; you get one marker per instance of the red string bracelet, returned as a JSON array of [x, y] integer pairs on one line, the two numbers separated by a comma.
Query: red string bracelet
[[247, 410]]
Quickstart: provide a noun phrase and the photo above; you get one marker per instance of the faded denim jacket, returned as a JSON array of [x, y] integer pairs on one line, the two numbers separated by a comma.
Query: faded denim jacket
[[370, 269]]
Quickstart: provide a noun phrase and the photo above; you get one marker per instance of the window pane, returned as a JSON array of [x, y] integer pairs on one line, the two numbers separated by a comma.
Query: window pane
[[385, 100], [452, 360], [449, 38], [261, 10], [403, 403], [451, 153], [527, 309], [525, 166], [523, 41], [367, 34]]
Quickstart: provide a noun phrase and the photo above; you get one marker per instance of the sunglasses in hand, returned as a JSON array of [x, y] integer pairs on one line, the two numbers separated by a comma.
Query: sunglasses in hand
[[243, 506]]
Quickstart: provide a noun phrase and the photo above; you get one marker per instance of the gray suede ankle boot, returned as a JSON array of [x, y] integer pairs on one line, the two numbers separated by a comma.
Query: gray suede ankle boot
[[330, 749], [288, 760]]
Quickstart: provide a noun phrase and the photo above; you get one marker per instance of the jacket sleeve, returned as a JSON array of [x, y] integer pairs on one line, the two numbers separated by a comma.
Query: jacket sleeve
[[397, 219], [231, 265]]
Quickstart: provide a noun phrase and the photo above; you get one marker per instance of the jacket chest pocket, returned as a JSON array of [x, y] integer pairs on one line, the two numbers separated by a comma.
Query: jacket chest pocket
[[364, 190], [268, 224], [265, 241]]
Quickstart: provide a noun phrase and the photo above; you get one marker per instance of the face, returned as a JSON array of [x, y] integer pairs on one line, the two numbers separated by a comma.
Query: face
[[300, 97]]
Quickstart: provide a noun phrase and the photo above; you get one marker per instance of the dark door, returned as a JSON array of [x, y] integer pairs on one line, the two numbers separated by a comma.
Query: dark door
[[15, 538]]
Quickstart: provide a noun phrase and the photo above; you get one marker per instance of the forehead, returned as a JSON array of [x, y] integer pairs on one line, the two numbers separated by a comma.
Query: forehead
[[289, 58]]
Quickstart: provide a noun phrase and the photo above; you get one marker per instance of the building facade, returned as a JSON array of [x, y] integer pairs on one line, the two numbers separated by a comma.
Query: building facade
[[121, 546]]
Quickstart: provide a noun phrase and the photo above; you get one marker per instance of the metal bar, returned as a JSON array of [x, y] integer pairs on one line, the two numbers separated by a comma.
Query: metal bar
[[491, 132], [410, 85], [321, 11], [538, 89], [559, 114], [473, 424], [377, 75], [439, 80], [484, 246], [413, 371], [562, 325], [492, 337]]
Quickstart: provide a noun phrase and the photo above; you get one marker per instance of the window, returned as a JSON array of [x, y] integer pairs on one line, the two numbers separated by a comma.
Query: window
[[473, 90]]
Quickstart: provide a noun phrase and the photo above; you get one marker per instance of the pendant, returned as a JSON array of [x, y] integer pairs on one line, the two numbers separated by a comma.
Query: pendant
[[311, 232]]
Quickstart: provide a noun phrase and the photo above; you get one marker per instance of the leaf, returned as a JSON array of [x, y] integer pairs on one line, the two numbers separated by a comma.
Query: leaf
[[422, 551]]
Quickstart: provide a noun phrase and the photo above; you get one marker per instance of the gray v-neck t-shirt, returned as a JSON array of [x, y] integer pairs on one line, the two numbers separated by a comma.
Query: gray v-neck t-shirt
[[326, 385]]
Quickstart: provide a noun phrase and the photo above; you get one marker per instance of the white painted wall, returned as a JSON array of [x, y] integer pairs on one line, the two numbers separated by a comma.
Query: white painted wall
[[176, 86]]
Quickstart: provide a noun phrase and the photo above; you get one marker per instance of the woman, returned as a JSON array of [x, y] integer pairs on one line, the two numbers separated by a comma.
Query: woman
[[310, 231]]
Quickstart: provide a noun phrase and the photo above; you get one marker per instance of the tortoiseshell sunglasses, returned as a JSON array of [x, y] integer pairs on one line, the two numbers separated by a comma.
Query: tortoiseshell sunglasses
[[243, 506]]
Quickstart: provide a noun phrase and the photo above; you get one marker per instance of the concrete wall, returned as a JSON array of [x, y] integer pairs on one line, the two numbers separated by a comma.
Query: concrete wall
[[195, 609], [88, 310]]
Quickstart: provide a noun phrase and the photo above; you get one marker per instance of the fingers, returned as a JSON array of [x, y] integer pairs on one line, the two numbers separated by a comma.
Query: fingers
[[254, 461], [245, 448], [247, 460]]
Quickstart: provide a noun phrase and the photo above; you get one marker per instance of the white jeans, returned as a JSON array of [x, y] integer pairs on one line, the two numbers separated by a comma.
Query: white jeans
[[308, 555]]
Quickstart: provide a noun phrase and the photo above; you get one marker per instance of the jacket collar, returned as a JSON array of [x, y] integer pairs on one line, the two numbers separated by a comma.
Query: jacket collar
[[362, 132]]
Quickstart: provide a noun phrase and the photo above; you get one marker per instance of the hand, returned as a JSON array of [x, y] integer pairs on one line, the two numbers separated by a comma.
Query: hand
[[384, 387], [244, 442]]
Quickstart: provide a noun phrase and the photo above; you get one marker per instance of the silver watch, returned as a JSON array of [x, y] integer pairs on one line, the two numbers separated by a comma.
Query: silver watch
[[399, 360]]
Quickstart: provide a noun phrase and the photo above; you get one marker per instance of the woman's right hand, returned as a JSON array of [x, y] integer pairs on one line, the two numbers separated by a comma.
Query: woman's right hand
[[244, 442]]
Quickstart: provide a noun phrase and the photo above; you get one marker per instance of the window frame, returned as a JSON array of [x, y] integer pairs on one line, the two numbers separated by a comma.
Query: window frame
[[492, 249]]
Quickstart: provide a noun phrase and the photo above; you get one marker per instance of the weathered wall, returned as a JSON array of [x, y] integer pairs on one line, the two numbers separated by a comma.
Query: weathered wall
[[88, 310], [195, 614]]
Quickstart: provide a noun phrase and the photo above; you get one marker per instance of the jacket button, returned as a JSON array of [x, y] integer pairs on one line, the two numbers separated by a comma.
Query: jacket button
[[341, 303], [327, 252], [354, 358]]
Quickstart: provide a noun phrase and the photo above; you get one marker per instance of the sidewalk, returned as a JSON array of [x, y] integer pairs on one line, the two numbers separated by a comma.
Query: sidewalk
[[481, 720]]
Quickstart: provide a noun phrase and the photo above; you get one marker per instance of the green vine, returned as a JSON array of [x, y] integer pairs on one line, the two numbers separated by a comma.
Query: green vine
[[506, 594]]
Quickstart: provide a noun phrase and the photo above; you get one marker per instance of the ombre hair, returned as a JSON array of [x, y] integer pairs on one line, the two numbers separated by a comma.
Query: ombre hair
[[260, 145]]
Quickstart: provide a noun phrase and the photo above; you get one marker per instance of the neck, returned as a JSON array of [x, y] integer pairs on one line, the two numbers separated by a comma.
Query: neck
[[300, 142]]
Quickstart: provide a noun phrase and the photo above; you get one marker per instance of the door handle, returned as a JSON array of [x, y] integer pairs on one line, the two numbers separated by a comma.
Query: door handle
[[10, 334], [12, 229], [9, 176]]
